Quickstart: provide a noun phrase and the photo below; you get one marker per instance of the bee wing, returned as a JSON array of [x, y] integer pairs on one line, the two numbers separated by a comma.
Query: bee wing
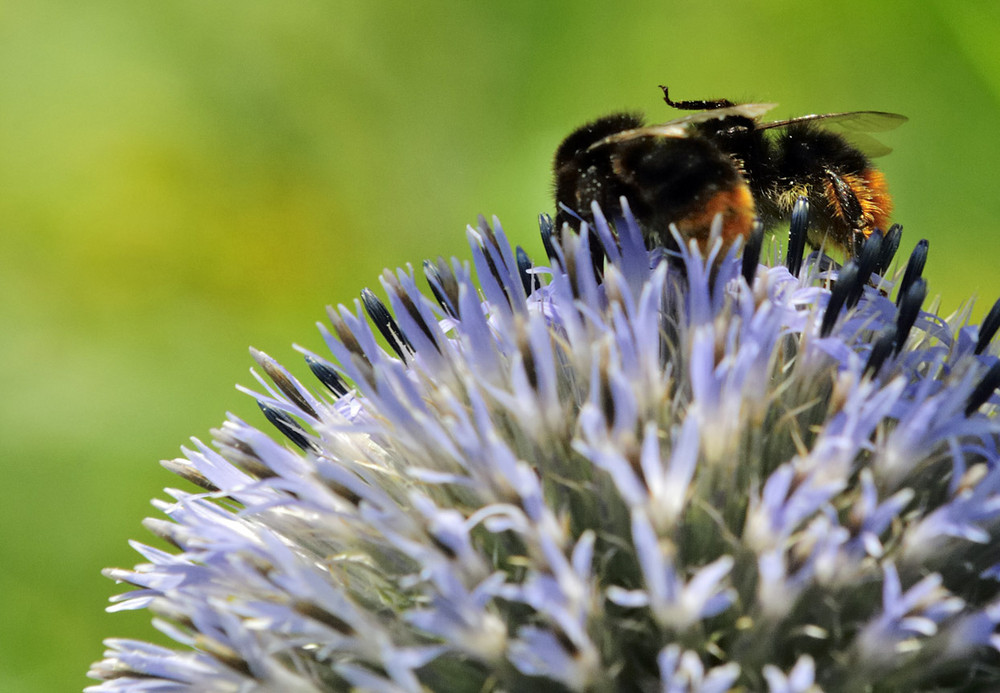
[[665, 130], [852, 121], [681, 127], [745, 110], [853, 125]]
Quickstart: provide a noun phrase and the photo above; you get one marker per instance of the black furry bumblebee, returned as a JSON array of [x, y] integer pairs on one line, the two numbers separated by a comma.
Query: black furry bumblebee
[[723, 160]]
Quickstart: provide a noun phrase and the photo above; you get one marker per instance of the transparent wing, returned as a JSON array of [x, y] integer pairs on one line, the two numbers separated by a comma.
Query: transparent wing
[[851, 121], [744, 110], [681, 127], [854, 126]]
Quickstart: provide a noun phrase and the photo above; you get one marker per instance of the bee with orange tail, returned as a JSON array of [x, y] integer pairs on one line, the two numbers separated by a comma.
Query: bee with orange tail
[[724, 160]]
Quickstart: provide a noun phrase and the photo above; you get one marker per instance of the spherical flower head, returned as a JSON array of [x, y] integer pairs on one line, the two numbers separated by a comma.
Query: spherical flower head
[[623, 469]]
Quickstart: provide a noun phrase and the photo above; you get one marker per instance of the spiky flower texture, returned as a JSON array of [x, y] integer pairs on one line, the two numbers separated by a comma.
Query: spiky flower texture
[[652, 472]]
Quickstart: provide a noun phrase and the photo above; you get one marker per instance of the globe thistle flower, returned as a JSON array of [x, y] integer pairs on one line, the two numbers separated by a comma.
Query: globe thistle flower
[[628, 470]]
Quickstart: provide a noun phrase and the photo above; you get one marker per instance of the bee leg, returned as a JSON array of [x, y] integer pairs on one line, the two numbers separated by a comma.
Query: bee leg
[[696, 105], [847, 208]]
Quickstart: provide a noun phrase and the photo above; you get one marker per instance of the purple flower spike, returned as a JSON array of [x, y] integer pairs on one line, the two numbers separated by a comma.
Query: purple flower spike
[[625, 469]]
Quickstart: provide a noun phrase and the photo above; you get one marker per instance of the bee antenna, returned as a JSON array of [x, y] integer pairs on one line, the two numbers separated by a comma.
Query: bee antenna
[[695, 104]]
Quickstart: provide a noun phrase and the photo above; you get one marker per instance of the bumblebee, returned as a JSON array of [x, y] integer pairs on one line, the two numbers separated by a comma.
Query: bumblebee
[[724, 160]]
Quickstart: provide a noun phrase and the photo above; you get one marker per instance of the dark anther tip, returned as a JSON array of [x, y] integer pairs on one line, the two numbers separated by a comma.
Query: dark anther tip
[[443, 285], [847, 278], [984, 390], [385, 323], [286, 425], [991, 323], [914, 268], [882, 347], [524, 264], [909, 309], [547, 229], [868, 261], [797, 232], [751, 251], [890, 244], [330, 379]]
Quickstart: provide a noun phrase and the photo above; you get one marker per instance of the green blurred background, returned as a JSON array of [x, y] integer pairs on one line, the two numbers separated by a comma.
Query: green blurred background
[[182, 179]]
